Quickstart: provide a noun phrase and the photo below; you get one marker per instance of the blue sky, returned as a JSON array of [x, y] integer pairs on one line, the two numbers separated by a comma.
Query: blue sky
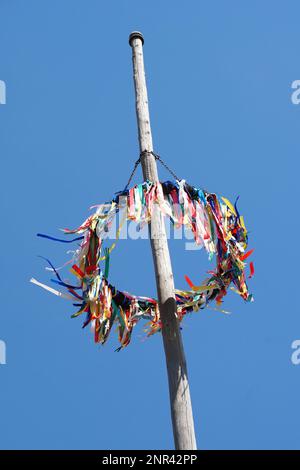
[[219, 82]]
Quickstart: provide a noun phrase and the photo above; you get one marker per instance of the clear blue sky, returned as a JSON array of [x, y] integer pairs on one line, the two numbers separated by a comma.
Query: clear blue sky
[[219, 76]]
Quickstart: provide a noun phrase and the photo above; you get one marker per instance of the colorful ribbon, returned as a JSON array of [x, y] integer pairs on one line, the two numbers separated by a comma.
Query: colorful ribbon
[[215, 223]]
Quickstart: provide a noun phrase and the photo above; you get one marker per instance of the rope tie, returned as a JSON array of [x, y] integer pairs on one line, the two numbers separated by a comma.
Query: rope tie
[[132, 173], [158, 158]]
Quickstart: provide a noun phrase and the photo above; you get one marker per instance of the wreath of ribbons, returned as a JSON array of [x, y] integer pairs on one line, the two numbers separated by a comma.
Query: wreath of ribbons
[[215, 223]]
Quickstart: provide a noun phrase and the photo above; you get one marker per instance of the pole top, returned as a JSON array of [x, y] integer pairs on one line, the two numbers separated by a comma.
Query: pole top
[[134, 35]]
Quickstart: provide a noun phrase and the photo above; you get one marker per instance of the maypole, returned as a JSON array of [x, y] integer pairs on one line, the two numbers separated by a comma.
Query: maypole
[[180, 399], [216, 224]]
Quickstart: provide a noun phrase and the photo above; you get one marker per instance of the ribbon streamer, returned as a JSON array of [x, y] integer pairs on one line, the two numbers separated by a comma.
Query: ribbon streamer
[[215, 223]]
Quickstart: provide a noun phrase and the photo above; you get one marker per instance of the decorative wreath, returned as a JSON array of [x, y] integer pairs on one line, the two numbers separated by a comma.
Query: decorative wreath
[[215, 223]]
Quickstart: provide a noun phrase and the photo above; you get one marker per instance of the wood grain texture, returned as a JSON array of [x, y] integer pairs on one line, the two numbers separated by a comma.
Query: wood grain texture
[[180, 400]]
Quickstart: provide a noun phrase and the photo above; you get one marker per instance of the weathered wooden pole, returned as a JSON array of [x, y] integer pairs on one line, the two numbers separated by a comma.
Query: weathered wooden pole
[[181, 406]]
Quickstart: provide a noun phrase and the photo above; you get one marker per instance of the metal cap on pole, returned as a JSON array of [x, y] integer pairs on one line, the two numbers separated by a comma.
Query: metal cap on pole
[[136, 34]]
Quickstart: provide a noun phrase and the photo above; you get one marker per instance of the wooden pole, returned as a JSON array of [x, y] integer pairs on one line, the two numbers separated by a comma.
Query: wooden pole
[[180, 400]]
